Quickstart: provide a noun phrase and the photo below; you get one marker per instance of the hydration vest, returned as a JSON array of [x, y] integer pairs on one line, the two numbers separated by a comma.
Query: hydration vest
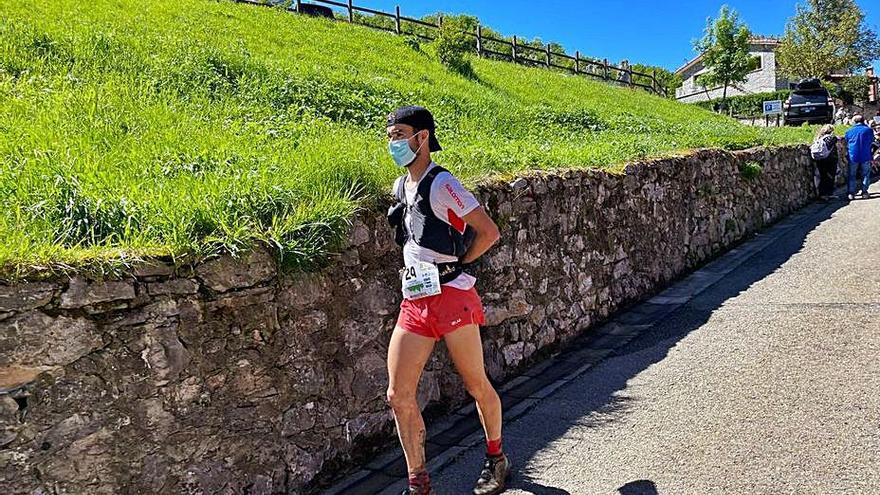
[[424, 228]]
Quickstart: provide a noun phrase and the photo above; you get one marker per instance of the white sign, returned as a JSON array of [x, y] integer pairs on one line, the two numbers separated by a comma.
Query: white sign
[[422, 280], [773, 107]]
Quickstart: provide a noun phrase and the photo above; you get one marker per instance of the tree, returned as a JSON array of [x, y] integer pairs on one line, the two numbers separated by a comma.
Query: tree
[[825, 36], [725, 51]]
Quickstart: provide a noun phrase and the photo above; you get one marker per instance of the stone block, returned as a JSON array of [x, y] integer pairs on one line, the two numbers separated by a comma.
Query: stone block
[[14, 377], [35, 339], [305, 290], [81, 292], [177, 286], [9, 420], [152, 268], [24, 297], [360, 234], [227, 273]]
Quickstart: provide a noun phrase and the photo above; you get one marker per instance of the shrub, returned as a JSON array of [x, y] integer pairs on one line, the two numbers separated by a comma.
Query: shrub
[[751, 170], [853, 89], [454, 48], [745, 105]]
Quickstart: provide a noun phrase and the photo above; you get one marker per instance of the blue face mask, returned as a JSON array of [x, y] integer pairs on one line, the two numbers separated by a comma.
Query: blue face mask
[[400, 151]]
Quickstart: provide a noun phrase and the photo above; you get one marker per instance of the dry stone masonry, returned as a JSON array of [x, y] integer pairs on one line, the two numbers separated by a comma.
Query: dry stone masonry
[[230, 378]]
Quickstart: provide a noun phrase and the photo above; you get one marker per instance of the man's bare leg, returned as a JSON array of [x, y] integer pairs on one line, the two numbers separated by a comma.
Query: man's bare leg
[[466, 351], [407, 355]]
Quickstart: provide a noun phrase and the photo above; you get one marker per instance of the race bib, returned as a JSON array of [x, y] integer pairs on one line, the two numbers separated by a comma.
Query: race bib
[[421, 280]]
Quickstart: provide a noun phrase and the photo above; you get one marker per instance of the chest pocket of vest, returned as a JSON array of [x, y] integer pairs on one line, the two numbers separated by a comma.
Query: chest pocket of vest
[[395, 220]]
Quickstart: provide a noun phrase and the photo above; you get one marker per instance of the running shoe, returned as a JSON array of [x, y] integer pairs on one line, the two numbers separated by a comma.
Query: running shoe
[[494, 476], [417, 490]]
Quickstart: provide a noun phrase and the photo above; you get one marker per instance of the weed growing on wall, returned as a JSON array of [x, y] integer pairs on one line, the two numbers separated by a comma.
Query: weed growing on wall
[[751, 170]]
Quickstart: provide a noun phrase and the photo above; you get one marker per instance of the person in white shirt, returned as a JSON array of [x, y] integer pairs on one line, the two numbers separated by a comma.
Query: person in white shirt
[[442, 229]]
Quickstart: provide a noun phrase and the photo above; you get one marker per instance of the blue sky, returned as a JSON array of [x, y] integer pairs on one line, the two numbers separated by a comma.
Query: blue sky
[[646, 31]]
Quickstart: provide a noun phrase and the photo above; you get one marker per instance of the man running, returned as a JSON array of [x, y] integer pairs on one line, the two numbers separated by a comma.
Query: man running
[[442, 228]]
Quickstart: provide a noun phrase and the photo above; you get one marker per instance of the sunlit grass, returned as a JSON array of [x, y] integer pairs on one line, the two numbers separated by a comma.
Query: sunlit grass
[[188, 128]]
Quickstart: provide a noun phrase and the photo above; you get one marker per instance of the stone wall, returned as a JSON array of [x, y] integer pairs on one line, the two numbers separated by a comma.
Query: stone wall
[[228, 378]]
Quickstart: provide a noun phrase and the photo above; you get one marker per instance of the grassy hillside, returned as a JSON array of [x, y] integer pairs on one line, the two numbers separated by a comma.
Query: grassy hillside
[[190, 127]]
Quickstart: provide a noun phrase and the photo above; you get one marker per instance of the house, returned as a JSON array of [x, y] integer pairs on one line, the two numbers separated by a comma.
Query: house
[[763, 79]]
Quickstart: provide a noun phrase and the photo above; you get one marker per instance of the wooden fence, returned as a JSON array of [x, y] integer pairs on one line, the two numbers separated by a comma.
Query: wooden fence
[[515, 51]]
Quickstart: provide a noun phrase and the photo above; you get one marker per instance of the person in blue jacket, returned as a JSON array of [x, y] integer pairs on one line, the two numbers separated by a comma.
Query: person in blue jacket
[[860, 138]]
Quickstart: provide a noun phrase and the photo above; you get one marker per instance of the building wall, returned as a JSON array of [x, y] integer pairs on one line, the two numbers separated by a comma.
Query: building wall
[[762, 80]]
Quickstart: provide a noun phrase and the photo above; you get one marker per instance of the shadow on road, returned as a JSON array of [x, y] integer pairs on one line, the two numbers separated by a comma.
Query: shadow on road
[[640, 487], [536, 488], [598, 399]]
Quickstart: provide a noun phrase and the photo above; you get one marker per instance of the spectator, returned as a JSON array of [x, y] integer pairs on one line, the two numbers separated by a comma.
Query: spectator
[[860, 138], [623, 75], [875, 148], [840, 116], [827, 166]]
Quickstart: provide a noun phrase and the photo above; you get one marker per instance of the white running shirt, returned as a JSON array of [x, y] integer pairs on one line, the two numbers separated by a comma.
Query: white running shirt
[[450, 202]]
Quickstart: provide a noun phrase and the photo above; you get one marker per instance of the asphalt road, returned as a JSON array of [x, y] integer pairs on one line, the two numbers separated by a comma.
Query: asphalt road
[[766, 383]]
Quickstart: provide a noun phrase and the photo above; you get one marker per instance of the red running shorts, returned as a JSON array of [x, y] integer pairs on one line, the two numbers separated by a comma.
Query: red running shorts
[[436, 316]]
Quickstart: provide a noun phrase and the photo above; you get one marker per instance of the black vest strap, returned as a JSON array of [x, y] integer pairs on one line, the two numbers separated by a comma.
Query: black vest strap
[[425, 228]]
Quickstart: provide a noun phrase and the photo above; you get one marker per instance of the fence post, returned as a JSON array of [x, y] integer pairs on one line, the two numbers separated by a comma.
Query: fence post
[[514, 49], [440, 20], [548, 54], [577, 62], [397, 19], [479, 40], [350, 12], [654, 81], [605, 69], [298, 6]]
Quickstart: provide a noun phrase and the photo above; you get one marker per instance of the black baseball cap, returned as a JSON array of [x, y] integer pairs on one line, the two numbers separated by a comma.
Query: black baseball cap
[[419, 118]]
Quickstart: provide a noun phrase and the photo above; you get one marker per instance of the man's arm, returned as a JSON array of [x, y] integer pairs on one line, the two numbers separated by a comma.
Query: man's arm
[[487, 234]]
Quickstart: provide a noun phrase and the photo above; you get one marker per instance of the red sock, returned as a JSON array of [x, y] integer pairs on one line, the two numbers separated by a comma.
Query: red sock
[[493, 447], [420, 479]]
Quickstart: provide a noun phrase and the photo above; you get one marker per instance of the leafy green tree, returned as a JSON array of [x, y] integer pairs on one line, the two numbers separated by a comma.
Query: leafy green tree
[[826, 36], [725, 51]]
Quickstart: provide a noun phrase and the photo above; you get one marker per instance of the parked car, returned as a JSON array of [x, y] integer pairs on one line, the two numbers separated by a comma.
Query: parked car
[[809, 103], [305, 8]]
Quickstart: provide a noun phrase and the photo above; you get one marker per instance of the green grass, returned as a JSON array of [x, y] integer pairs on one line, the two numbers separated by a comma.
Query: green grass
[[187, 128]]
